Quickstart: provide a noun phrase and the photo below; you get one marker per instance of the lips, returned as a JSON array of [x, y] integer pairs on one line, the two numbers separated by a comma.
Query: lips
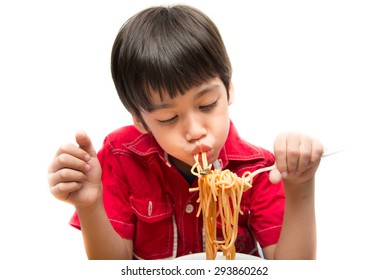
[[200, 149]]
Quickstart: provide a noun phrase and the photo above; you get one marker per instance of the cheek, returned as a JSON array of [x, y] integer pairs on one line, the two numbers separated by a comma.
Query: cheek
[[224, 130], [163, 138], [167, 139], [218, 128], [222, 125]]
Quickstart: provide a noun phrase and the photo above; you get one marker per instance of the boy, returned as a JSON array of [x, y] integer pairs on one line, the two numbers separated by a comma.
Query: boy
[[172, 73]]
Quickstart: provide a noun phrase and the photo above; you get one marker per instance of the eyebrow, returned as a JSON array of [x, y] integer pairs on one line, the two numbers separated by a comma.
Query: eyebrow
[[164, 105]]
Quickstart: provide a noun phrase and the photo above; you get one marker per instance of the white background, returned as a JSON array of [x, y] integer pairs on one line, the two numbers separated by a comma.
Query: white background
[[319, 67]]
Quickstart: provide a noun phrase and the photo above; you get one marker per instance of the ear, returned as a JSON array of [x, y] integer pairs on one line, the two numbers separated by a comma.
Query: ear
[[231, 91], [139, 124]]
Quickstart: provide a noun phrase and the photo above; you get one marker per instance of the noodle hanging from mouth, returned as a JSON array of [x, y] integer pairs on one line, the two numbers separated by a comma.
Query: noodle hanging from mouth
[[220, 193]]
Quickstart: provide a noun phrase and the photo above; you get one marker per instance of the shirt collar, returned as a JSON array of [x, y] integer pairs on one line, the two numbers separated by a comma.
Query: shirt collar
[[146, 145], [237, 149]]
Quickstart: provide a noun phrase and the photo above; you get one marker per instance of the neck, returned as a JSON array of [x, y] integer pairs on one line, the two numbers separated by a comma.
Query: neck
[[182, 166]]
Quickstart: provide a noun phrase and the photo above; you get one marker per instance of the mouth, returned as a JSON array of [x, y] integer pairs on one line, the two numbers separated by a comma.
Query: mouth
[[199, 150]]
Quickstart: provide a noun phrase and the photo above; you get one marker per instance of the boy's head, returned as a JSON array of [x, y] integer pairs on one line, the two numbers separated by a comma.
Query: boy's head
[[166, 50]]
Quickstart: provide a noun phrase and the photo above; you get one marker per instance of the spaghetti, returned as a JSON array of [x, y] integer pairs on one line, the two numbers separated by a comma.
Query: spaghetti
[[220, 193]]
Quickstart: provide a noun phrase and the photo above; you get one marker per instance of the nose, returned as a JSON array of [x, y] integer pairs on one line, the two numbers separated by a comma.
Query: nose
[[194, 128]]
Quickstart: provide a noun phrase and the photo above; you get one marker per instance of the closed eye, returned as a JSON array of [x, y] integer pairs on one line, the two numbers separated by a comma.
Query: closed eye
[[208, 107], [168, 121]]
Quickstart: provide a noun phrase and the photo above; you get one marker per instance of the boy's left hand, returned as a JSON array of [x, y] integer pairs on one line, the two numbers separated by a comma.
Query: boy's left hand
[[297, 158]]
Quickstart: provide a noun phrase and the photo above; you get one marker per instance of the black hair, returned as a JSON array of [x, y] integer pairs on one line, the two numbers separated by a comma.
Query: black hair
[[169, 50]]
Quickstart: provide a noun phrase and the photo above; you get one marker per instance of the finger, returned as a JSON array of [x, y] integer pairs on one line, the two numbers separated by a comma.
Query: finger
[[293, 143], [62, 190], [66, 175], [85, 143], [66, 160], [305, 154], [317, 151], [72, 150], [280, 154], [275, 176], [316, 154]]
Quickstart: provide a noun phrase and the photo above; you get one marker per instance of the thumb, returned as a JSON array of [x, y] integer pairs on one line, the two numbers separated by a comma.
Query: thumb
[[275, 176], [85, 143]]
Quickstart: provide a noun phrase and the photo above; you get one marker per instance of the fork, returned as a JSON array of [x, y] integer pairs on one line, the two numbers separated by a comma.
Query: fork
[[274, 166]]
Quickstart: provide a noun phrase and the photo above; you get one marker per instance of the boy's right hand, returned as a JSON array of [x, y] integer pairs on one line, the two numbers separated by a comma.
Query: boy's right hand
[[75, 173]]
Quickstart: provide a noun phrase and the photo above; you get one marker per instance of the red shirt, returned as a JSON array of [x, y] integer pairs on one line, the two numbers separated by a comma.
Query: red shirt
[[147, 199]]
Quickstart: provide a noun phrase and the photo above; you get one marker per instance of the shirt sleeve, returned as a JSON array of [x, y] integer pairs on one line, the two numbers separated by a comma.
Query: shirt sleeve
[[266, 210], [115, 194]]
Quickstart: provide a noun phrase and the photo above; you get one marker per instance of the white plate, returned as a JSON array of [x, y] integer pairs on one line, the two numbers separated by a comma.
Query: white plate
[[219, 256]]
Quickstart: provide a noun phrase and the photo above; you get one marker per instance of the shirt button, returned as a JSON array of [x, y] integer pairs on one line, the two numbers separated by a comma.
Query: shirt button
[[189, 208]]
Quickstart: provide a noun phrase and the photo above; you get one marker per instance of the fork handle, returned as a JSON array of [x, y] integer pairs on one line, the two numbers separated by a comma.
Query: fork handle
[[260, 170]]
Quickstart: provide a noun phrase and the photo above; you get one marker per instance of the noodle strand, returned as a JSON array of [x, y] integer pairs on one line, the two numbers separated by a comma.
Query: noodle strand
[[220, 194]]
